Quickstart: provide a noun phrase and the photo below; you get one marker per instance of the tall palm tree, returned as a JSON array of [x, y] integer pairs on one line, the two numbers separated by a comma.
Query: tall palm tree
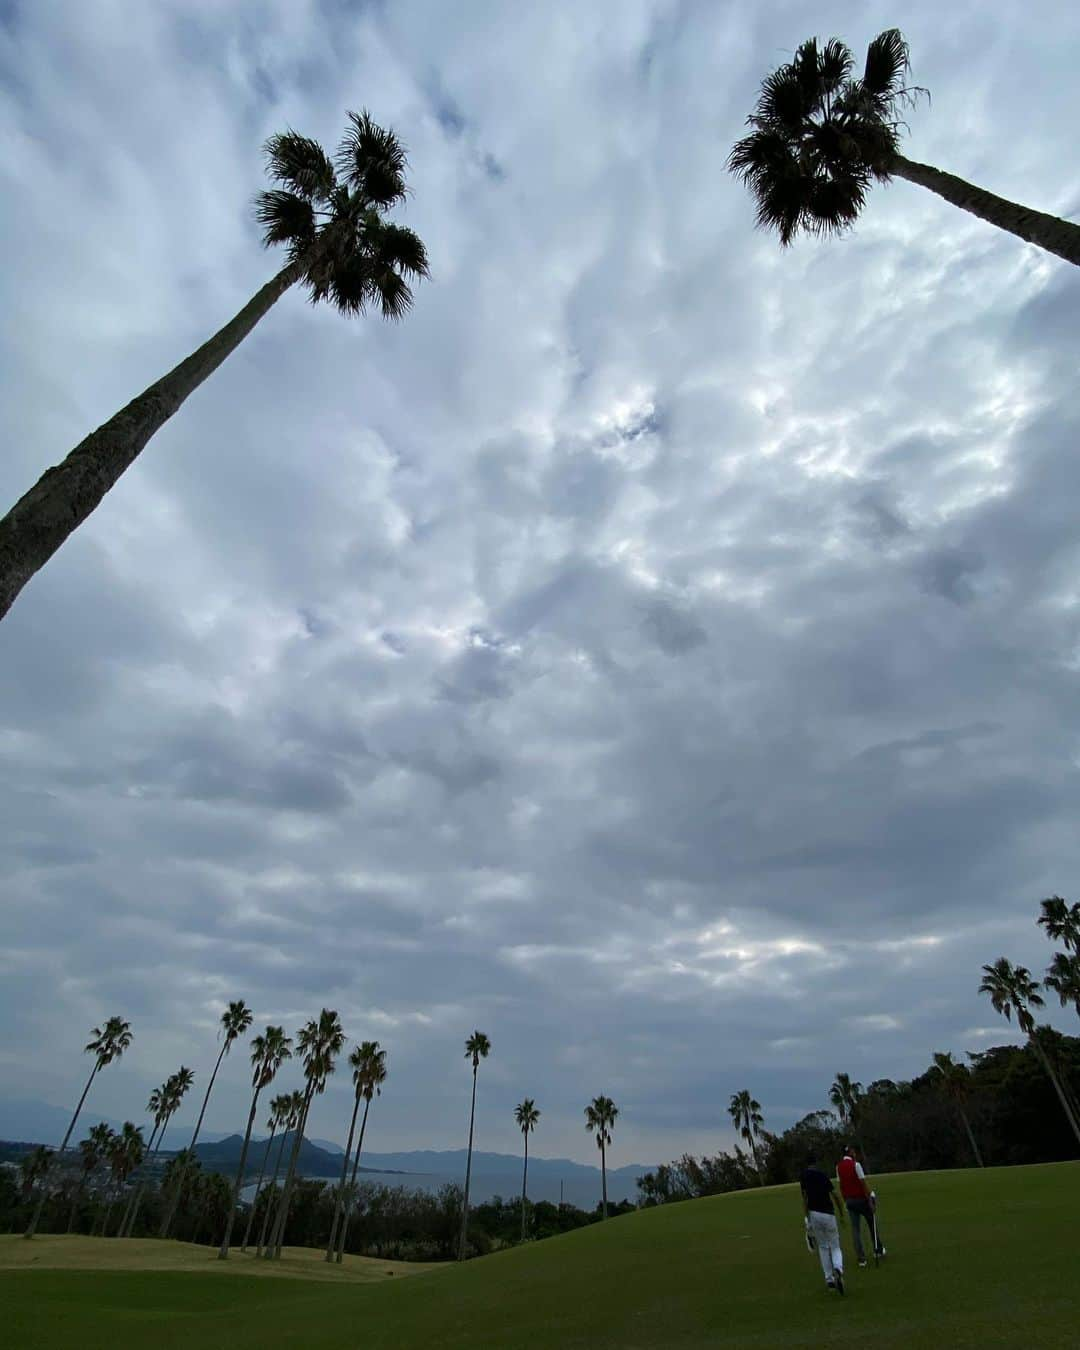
[[956, 1079], [363, 1061], [745, 1112], [278, 1116], [176, 1088], [126, 1150], [600, 1117], [290, 1108], [331, 217], [105, 1044], [319, 1043], [820, 137], [156, 1109], [477, 1047], [1063, 977], [235, 1021], [1011, 989], [1061, 922], [845, 1096], [92, 1150], [527, 1116], [375, 1074], [268, 1053]]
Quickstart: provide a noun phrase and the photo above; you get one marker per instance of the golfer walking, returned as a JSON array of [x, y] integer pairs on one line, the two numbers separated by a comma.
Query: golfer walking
[[860, 1203], [821, 1206]]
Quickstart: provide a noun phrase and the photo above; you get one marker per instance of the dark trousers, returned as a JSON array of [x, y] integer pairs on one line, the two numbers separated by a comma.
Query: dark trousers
[[859, 1210]]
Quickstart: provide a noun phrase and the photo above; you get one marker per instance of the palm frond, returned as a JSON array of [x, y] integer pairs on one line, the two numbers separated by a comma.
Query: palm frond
[[887, 62], [286, 219], [300, 165], [372, 161], [834, 65]]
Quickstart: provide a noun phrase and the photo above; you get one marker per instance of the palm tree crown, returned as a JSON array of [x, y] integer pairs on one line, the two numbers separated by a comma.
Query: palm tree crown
[[329, 214], [1061, 921], [319, 1042], [269, 1051], [477, 1047], [526, 1115], [600, 1116], [235, 1020], [820, 137], [1011, 989], [845, 1096], [746, 1115], [110, 1041], [368, 1063], [1063, 977]]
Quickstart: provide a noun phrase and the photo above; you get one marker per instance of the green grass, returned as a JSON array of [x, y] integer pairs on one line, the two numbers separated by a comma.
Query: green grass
[[976, 1259]]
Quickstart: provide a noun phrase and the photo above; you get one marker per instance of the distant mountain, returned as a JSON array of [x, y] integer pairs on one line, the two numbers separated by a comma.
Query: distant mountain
[[41, 1123]]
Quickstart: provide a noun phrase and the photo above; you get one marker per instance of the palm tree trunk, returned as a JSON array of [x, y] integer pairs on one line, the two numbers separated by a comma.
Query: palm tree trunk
[[603, 1172], [344, 1231], [36, 1218], [224, 1251], [181, 1180], [1057, 1085], [258, 1185], [757, 1161], [278, 1231], [468, 1173], [524, 1180], [331, 1246], [970, 1135], [264, 1226], [1049, 232], [75, 1204], [66, 494]]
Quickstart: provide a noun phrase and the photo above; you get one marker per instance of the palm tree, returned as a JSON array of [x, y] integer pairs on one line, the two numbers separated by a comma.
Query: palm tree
[[156, 1109], [235, 1020], [126, 1149], [367, 1062], [845, 1096], [477, 1047], [176, 1088], [105, 1044], [1061, 922], [600, 1117], [526, 1115], [1011, 989], [820, 137], [745, 1112], [92, 1149], [319, 1043], [331, 217], [956, 1079], [1063, 977], [34, 1168], [278, 1116], [375, 1075], [290, 1107], [268, 1053]]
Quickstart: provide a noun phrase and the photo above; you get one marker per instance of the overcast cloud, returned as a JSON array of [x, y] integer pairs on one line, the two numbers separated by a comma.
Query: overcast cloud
[[660, 652]]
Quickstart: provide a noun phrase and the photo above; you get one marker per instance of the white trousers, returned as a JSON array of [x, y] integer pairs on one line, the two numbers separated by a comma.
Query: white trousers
[[827, 1240]]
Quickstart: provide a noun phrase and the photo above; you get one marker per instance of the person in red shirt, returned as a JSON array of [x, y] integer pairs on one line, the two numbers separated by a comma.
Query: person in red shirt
[[860, 1203]]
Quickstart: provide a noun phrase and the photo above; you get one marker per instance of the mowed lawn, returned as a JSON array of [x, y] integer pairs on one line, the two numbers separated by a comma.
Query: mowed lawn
[[975, 1259]]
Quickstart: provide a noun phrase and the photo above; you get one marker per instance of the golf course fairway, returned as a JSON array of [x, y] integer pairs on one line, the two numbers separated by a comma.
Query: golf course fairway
[[976, 1258]]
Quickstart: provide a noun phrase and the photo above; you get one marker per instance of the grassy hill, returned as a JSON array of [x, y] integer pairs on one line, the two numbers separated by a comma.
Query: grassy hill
[[976, 1259]]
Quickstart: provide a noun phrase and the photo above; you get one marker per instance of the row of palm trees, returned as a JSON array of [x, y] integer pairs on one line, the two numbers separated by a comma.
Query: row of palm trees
[[820, 137], [318, 1044]]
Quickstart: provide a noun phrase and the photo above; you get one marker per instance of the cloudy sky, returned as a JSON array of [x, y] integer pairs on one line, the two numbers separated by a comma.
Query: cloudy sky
[[660, 652]]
